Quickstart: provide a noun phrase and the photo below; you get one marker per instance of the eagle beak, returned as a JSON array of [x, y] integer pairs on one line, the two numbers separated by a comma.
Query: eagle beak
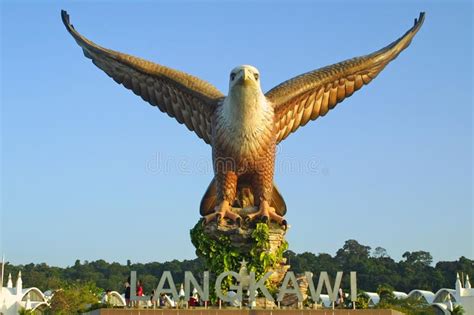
[[246, 75]]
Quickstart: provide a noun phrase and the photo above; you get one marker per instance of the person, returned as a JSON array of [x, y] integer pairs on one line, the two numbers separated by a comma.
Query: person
[[182, 297], [340, 297], [162, 300], [127, 294], [106, 297], [139, 292], [153, 301], [192, 302], [194, 299], [139, 288]]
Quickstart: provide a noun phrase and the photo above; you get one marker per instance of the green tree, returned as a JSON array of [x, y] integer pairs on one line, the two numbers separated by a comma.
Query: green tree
[[448, 270], [417, 272], [418, 257], [75, 298], [385, 293], [458, 310], [351, 250], [379, 252]]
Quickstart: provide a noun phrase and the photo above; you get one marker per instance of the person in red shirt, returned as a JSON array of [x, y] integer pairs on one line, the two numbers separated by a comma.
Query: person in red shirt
[[139, 292]]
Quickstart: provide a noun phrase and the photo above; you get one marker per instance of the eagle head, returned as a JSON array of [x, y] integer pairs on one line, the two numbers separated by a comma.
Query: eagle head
[[245, 106], [244, 76]]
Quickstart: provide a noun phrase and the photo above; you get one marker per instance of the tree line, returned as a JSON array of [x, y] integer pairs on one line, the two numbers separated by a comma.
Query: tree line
[[374, 268]]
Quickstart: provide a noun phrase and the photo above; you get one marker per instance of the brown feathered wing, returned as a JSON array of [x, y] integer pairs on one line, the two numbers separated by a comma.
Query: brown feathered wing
[[190, 100], [311, 95]]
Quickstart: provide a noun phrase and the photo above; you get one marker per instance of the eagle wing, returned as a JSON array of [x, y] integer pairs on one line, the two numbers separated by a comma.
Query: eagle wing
[[311, 95], [188, 99]]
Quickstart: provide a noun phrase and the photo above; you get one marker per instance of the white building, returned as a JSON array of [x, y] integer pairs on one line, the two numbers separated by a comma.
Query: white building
[[113, 298], [463, 296], [443, 301], [446, 299], [427, 296], [13, 299], [374, 298]]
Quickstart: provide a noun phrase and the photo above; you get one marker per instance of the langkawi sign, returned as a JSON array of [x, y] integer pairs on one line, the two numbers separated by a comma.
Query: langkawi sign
[[247, 282]]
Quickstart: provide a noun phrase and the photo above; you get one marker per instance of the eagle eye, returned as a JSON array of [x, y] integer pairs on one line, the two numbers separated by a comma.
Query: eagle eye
[[256, 76], [232, 76]]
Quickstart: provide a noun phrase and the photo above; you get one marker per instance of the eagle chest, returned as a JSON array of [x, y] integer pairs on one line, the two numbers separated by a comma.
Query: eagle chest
[[243, 142]]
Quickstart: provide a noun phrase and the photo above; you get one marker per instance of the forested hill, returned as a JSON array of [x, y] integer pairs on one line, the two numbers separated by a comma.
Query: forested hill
[[374, 267]]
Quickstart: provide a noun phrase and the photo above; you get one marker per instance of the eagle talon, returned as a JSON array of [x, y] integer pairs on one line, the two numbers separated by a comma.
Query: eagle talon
[[266, 214], [223, 211]]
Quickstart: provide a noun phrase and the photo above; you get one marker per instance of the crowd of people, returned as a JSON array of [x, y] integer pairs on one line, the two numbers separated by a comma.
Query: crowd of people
[[163, 301], [166, 301]]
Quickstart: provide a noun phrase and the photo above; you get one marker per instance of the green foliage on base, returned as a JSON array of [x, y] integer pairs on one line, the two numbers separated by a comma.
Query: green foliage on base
[[261, 259], [220, 255]]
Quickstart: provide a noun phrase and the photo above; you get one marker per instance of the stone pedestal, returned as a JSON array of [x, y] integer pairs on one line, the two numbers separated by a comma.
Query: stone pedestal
[[224, 245]]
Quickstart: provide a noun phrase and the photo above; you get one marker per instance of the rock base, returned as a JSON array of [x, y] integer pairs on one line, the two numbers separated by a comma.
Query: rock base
[[242, 240], [225, 245]]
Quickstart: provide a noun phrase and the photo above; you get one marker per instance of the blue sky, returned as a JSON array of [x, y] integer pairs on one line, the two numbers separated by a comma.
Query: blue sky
[[90, 171]]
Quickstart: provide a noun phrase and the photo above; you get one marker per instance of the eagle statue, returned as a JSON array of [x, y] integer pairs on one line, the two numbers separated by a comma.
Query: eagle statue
[[244, 126]]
